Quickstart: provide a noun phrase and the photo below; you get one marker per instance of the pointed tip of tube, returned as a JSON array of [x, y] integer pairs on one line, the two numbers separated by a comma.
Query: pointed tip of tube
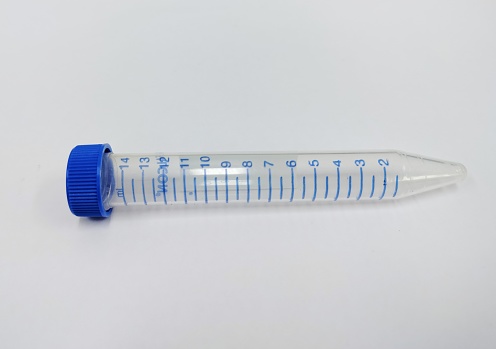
[[456, 172], [462, 170], [427, 174]]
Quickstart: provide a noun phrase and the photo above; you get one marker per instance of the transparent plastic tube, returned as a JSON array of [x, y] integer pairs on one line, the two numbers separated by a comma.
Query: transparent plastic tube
[[208, 178]]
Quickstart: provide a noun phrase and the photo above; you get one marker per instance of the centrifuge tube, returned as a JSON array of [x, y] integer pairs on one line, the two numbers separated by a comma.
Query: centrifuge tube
[[97, 180]]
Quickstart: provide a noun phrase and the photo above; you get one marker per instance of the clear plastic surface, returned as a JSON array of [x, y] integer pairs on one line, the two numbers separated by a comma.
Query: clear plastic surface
[[170, 179]]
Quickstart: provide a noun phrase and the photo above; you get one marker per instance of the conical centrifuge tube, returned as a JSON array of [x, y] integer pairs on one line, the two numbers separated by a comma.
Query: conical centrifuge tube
[[98, 180]]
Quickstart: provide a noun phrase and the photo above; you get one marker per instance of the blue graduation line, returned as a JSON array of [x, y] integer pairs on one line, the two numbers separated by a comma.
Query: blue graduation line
[[373, 186], [205, 184], [270, 185], [259, 188], [184, 187], [123, 191], [314, 183], [396, 186], [281, 188], [384, 184], [194, 187], [143, 186], [349, 187], [216, 190], [153, 188], [361, 184], [292, 185], [174, 188], [247, 185], [326, 187], [132, 187], [338, 189], [163, 189], [304, 188], [237, 188], [227, 188]]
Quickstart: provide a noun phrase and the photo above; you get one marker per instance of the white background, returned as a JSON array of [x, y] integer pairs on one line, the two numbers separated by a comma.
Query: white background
[[224, 75]]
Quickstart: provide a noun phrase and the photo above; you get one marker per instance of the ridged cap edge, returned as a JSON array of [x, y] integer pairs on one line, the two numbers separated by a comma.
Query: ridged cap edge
[[83, 177]]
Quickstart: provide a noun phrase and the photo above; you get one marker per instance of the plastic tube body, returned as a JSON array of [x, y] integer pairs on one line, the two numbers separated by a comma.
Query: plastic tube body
[[170, 179]]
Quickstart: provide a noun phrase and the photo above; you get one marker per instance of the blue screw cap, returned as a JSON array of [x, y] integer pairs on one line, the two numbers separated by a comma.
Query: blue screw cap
[[84, 187]]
